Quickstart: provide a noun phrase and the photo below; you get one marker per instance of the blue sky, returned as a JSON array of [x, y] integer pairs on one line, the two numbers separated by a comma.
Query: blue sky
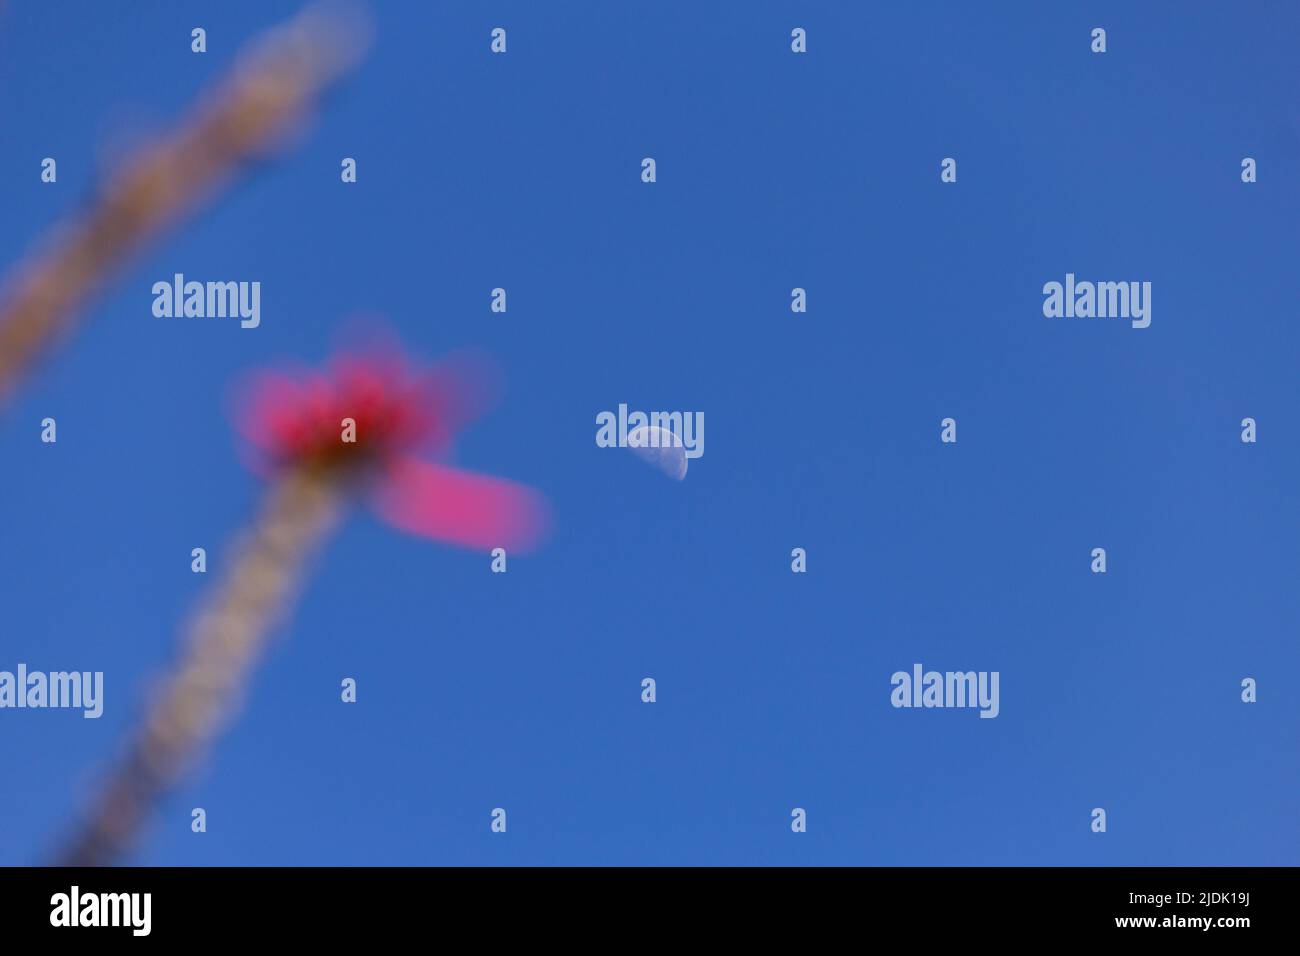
[[775, 170]]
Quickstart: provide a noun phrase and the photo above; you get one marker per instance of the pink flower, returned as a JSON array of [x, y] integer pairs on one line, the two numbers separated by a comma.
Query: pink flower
[[394, 410]]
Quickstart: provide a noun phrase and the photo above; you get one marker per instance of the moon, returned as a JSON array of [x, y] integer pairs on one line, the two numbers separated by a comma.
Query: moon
[[659, 447]]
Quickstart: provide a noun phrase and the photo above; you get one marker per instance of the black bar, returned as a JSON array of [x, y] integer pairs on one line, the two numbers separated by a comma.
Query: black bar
[[333, 905]]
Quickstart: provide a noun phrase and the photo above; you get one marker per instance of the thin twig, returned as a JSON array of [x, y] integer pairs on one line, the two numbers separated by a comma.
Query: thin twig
[[221, 652], [276, 80]]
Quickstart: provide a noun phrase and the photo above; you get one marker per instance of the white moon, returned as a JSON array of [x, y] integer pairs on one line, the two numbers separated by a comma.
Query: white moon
[[659, 447]]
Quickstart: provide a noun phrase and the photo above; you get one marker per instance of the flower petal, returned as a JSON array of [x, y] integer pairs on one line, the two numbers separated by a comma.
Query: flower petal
[[461, 507]]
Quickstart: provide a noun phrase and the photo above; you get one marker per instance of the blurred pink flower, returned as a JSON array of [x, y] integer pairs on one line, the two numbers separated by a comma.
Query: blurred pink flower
[[297, 419]]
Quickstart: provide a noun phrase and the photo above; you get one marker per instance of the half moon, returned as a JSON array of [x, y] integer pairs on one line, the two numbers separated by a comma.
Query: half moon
[[659, 447]]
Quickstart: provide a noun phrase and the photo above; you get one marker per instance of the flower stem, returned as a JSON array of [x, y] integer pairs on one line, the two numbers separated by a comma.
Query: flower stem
[[276, 80], [221, 651]]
